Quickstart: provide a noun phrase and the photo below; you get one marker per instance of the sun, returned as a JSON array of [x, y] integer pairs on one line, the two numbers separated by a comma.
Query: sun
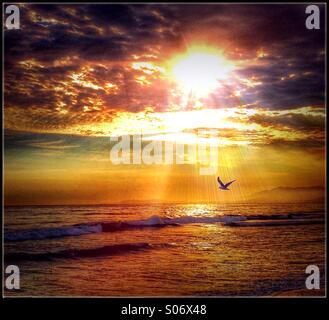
[[200, 70]]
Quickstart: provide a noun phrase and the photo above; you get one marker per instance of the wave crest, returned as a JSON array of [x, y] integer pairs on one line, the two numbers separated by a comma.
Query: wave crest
[[160, 222]]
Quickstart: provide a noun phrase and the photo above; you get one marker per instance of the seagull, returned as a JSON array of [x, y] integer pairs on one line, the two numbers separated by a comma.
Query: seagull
[[223, 186]]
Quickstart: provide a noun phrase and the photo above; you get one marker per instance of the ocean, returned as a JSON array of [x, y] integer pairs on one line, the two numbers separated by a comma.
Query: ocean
[[165, 249]]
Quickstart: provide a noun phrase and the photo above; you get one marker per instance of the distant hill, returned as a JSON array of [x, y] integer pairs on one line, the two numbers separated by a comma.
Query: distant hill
[[289, 194]]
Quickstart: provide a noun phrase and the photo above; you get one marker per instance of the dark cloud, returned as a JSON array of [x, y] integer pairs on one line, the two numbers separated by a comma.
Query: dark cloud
[[294, 121], [98, 40]]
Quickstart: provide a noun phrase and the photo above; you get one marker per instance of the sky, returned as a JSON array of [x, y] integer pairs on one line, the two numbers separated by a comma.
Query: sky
[[247, 78]]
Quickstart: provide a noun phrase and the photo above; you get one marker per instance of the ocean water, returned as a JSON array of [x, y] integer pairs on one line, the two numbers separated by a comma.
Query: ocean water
[[165, 250]]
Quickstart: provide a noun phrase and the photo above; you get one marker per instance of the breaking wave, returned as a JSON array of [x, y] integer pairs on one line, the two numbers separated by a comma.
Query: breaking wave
[[160, 222]]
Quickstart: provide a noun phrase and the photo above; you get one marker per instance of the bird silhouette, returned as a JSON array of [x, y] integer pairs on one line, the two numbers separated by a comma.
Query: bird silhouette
[[222, 185]]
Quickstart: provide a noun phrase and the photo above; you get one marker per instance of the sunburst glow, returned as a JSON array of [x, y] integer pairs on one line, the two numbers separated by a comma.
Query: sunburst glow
[[201, 70]]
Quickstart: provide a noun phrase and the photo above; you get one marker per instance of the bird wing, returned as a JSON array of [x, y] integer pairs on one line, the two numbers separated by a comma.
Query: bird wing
[[220, 182], [227, 184]]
